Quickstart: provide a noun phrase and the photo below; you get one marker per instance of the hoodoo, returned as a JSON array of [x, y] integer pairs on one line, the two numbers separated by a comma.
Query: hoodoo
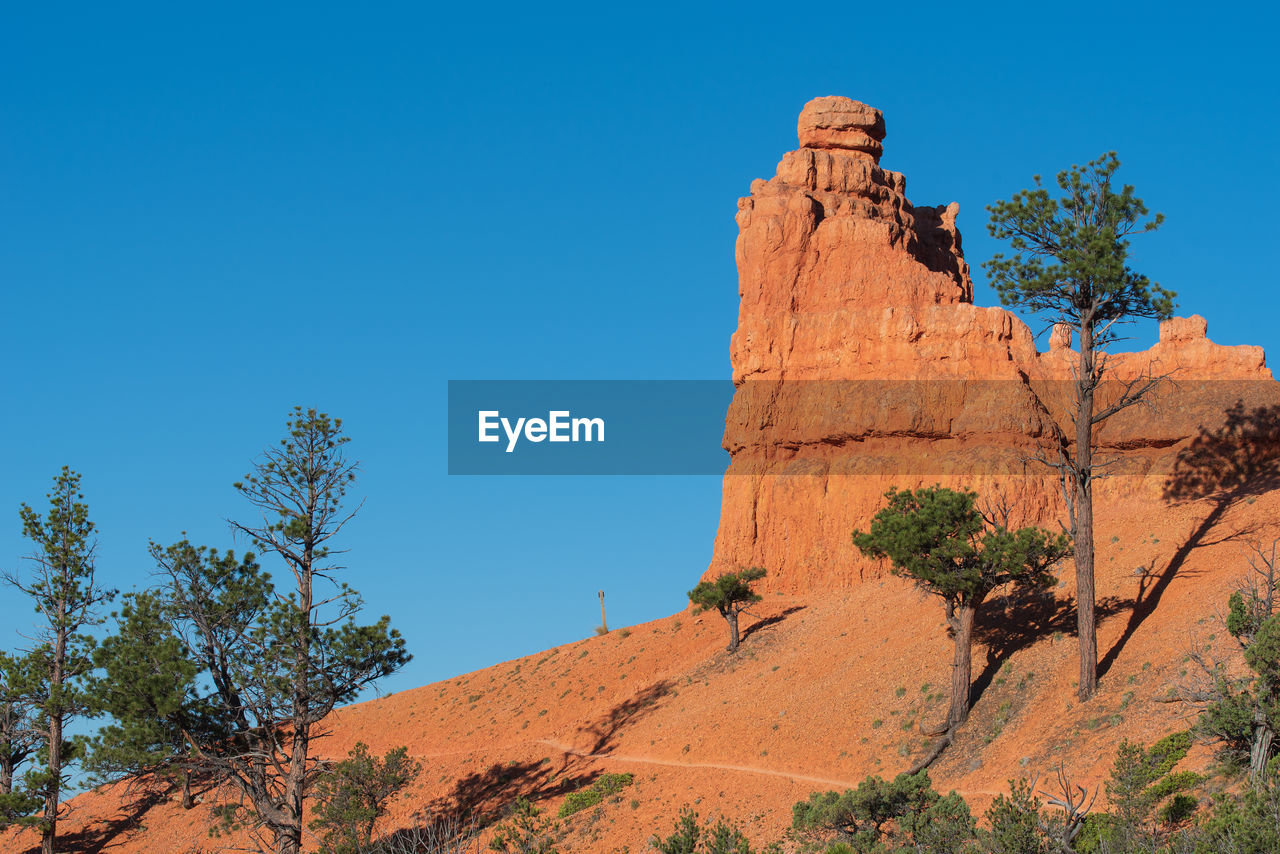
[[862, 363]]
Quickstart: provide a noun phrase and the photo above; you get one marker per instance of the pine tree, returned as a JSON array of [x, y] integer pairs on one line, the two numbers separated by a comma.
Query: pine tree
[[224, 676], [1242, 711], [18, 737], [1087, 284], [730, 594], [938, 537], [67, 599], [150, 686], [274, 659]]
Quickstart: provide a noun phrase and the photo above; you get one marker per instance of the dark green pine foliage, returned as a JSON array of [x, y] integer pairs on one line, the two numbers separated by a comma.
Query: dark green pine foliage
[[150, 686], [1244, 713], [67, 599], [18, 738], [940, 539], [1015, 825], [903, 814], [1248, 823], [354, 795], [730, 594], [1148, 798], [690, 837], [1070, 265], [526, 830]]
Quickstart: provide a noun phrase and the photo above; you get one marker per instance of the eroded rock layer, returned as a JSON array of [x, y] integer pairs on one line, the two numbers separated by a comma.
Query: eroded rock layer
[[861, 363]]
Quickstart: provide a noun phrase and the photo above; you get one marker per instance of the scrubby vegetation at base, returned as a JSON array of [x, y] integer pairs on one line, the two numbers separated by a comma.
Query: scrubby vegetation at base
[[903, 813], [690, 837], [1152, 811]]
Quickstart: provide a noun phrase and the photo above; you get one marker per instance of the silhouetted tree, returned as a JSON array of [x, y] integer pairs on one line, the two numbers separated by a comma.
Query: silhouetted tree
[[1087, 284], [730, 594], [938, 537], [282, 658]]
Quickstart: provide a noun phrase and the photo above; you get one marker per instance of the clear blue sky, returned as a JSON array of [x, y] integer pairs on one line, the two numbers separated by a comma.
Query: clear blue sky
[[209, 214]]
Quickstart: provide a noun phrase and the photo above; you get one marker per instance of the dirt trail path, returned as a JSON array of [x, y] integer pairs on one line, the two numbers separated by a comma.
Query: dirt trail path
[[742, 769], [673, 763]]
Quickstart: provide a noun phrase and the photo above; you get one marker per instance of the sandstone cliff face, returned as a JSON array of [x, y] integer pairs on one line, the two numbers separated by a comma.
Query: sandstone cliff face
[[861, 363]]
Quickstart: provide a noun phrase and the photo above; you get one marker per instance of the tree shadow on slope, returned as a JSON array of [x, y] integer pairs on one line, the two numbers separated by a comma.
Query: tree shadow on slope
[[1236, 462], [1007, 625], [104, 835], [604, 731], [767, 622], [483, 797]]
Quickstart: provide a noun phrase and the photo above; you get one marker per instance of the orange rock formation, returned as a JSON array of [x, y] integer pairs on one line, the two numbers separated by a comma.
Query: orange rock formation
[[861, 363]]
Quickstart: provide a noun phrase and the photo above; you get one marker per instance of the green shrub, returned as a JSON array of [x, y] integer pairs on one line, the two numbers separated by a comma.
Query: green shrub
[[904, 812], [1015, 822], [1178, 809], [353, 796], [1245, 824], [603, 787], [526, 831], [689, 837]]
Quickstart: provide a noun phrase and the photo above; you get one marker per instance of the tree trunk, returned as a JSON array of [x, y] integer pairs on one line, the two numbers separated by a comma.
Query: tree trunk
[[49, 828], [732, 619], [8, 762], [1086, 620], [1261, 751], [187, 801], [8, 759], [289, 835], [961, 663], [57, 684], [289, 840]]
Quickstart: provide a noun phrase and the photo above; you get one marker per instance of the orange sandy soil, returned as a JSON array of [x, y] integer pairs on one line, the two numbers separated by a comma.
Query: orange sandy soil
[[825, 690]]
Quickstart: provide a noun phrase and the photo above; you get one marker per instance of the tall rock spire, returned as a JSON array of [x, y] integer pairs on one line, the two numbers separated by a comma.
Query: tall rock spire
[[862, 363]]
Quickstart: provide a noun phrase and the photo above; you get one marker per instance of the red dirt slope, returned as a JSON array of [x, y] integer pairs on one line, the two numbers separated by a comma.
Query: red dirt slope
[[826, 689]]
